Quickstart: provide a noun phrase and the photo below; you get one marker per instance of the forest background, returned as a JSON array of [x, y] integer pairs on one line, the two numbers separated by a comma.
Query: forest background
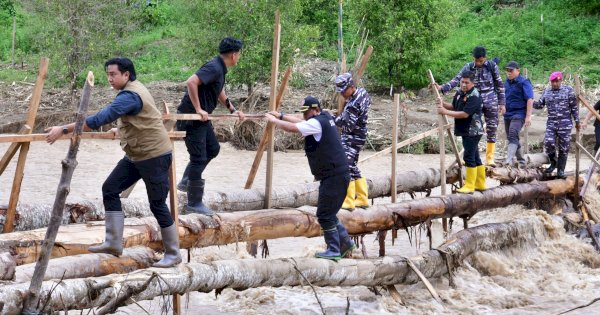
[[169, 39]]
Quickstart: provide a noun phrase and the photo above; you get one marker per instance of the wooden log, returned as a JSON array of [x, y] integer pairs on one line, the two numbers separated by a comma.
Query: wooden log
[[33, 216], [212, 117], [84, 135], [226, 228], [516, 175], [31, 303], [242, 274], [262, 145]]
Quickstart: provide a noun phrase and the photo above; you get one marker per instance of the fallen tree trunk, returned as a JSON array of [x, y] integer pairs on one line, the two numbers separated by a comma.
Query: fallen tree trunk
[[114, 290], [516, 175], [226, 228], [34, 216]]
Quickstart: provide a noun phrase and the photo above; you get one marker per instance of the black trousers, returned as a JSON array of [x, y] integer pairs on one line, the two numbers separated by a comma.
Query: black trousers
[[202, 145], [597, 134], [471, 155], [155, 174], [332, 192]]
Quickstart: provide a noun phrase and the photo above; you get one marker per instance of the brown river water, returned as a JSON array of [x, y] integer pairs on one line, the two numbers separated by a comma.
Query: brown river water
[[552, 277]]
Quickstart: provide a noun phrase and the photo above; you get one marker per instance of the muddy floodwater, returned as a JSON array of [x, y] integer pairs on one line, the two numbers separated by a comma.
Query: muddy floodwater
[[552, 277]]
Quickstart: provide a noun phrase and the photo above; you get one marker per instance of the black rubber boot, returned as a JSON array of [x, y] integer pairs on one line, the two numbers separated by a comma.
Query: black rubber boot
[[346, 243], [170, 239], [552, 166], [195, 194], [183, 184], [332, 239], [560, 165], [114, 223]]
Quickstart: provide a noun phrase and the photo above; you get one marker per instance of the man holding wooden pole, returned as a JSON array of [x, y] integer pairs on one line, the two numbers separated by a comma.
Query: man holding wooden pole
[[327, 161], [204, 89], [491, 88], [561, 102], [148, 155], [466, 108], [353, 123]]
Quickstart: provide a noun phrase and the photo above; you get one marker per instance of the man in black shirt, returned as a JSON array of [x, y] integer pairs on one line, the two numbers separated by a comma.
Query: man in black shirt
[[204, 89], [466, 109], [328, 163]]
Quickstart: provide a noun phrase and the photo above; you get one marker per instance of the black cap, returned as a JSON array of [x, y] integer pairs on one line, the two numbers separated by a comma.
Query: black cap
[[229, 44], [308, 103], [512, 65]]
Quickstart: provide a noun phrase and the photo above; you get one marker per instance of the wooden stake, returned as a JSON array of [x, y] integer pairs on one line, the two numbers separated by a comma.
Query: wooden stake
[[394, 189], [426, 282], [30, 306], [340, 98], [268, 131], [272, 107], [577, 151], [172, 203], [358, 73], [18, 178], [578, 146], [340, 37]]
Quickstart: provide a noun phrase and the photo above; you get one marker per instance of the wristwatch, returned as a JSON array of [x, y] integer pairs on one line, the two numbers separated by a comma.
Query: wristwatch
[[65, 130]]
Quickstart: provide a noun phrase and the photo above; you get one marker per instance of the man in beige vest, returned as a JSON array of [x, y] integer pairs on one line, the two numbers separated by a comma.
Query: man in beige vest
[[147, 157]]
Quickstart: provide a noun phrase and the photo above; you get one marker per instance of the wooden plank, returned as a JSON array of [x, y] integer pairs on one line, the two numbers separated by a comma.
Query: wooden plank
[[262, 145], [272, 107], [16, 189], [357, 77], [588, 154], [394, 189], [406, 142], [12, 150], [211, 116], [340, 98], [426, 282], [85, 135], [588, 106]]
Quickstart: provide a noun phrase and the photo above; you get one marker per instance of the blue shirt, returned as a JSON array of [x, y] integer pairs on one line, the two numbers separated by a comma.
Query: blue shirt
[[518, 91], [126, 103]]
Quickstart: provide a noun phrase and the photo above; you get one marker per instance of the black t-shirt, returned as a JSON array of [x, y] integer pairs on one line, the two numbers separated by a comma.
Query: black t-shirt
[[597, 108], [470, 103], [212, 74]]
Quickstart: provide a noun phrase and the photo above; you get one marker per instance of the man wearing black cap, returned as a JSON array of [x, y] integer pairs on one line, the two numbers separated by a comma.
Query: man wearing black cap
[[519, 105], [327, 161], [204, 89]]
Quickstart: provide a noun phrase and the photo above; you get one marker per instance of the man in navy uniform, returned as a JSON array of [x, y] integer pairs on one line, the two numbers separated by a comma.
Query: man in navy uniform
[[327, 161]]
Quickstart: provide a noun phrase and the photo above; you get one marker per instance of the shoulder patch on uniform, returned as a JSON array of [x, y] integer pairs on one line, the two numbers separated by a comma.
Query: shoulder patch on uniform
[[331, 123]]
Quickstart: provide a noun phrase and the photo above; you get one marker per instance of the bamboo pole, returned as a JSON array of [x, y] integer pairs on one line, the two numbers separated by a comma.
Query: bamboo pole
[[526, 73], [172, 202], [24, 148], [31, 301], [14, 40], [450, 135], [212, 117], [268, 132], [341, 54], [84, 135], [340, 98]]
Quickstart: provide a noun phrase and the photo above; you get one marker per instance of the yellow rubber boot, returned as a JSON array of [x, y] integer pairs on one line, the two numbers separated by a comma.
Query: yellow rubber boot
[[362, 193], [469, 186], [489, 154], [350, 195], [480, 180]]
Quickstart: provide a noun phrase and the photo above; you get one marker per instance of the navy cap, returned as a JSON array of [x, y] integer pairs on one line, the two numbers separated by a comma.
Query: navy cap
[[308, 103], [512, 65], [229, 44], [343, 81]]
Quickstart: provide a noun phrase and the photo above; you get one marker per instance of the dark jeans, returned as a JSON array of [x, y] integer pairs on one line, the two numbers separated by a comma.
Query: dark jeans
[[471, 155], [597, 133], [332, 192], [203, 146], [513, 127], [155, 174]]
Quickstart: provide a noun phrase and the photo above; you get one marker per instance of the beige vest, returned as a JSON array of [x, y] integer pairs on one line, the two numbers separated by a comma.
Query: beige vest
[[143, 136]]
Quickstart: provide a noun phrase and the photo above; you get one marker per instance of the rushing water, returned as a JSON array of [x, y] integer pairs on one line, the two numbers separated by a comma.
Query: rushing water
[[558, 274]]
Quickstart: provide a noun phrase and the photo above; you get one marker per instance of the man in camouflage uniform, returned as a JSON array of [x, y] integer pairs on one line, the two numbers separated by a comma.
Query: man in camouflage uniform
[[562, 106], [491, 87], [353, 123]]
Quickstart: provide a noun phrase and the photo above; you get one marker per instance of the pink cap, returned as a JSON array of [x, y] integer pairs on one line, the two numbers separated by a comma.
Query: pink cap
[[556, 76]]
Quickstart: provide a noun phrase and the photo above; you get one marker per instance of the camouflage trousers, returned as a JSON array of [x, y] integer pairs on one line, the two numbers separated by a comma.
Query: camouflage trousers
[[557, 138], [490, 113], [352, 145]]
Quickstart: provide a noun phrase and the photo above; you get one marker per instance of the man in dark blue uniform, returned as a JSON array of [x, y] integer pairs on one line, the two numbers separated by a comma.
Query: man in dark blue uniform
[[327, 160], [519, 105], [204, 89]]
